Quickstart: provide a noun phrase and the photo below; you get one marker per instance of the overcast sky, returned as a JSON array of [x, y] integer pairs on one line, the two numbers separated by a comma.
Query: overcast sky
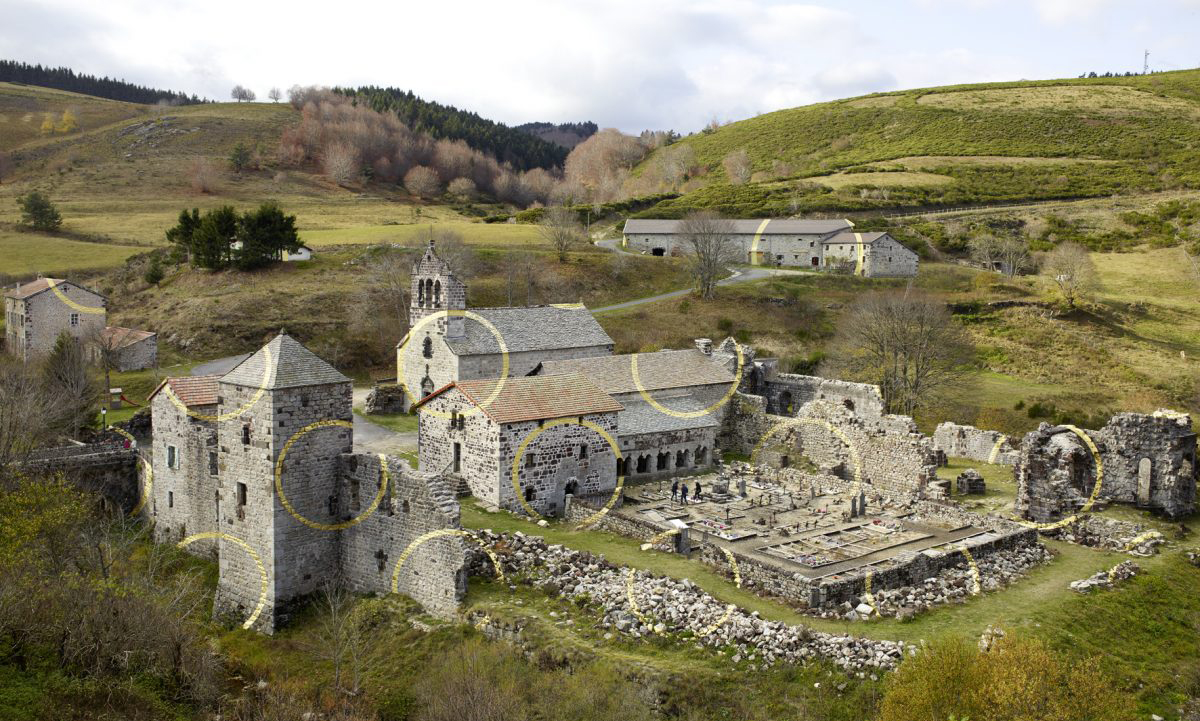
[[632, 64]]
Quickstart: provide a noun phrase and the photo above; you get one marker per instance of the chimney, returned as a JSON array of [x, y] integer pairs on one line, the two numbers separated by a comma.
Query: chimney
[[704, 345]]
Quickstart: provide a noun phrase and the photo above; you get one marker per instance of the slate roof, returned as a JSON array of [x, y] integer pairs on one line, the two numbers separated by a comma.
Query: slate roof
[[848, 237], [115, 336], [536, 328], [32, 288], [192, 390], [531, 398], [656, 371], [292, 366], [640, 417], [782, 226]]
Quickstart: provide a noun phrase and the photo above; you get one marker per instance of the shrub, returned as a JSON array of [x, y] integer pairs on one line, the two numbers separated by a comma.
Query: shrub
[[154, 273], [239, 158], [37, 211]]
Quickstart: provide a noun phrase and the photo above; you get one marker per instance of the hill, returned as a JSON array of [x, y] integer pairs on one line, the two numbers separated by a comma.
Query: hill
[[955, 145], [63, 78], [568, 135]]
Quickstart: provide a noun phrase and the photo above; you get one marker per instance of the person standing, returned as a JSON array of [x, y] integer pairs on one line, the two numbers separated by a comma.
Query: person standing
[[674, 490], [683, 494], [697, 491]]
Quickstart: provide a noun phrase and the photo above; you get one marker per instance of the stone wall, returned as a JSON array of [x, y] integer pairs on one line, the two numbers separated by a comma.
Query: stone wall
[[434, 574], [185, 497], [683, 451], [477, 442], [386, 398], [976, 444], [46, 316], [1149, 461], [561, 454], [107, 469], [137, 356], [786, 393]]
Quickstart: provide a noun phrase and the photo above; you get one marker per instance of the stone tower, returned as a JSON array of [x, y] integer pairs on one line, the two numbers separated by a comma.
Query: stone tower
[[434, 289], [265, 402]]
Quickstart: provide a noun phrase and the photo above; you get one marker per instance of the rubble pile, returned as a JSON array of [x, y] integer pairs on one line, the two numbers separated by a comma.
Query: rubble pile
[[667, 606], [953, 585], [1111, 535], [1123, 571]]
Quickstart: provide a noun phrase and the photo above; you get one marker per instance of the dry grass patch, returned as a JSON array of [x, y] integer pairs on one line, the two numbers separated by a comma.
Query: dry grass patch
[[1105, 99]]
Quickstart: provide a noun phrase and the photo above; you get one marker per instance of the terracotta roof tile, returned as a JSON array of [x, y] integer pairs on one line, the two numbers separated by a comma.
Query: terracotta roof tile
[[192, 390], [117, 337]]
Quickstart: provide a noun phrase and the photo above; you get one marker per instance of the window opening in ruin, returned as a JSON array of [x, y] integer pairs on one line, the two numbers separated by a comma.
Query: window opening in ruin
[[404, 506], [427, 347], [529, 460], [245, 434], [663, 459], [848, 403], [701, 455], [529, 494], [680, 459], [172, 457], [241, 494], [170, 499], [785, 403], [583, 451], [643, 464], [420, 293], [212, 463], [784, 461], [457, 457]]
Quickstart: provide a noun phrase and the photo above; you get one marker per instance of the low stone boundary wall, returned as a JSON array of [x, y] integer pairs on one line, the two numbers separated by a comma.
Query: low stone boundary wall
[[976, 444]]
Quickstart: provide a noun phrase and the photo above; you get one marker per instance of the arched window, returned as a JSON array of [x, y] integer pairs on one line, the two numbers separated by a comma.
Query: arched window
[[437, 294], [426, 386], [427, 347], [420, 292], [680, 459], [429, 291]]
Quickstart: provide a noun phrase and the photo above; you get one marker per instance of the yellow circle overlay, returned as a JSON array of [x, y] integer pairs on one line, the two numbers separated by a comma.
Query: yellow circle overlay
[[868, 595], [442, 533], [1087, 440], [148, 486], [73, 304], [799, 421], [996, 448], [504, 359], [383, 482], [234, 413], [262, 570], [977, 586], [516, 482], [729, 608], [737, 380]]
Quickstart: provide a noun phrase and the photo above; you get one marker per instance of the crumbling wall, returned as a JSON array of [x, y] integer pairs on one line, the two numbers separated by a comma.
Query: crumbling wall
[[108, 469], [412, 505], [1149, 461], [976, 444], [786, 393]]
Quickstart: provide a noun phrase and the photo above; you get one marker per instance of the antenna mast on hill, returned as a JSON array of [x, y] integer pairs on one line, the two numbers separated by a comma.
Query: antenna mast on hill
[[1146, 63]]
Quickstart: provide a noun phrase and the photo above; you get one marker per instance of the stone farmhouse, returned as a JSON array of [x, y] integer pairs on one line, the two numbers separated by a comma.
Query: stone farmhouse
[[36, 313], [815, 244], [264, 456], [557, 429], [448, 342]]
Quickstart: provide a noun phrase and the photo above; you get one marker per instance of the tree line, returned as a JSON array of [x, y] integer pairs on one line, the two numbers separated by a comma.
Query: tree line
[[63, 78], [508, 145]]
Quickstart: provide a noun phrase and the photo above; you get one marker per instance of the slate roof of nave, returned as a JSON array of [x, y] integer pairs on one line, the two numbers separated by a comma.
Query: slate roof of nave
[[534, 328], [291, 366]]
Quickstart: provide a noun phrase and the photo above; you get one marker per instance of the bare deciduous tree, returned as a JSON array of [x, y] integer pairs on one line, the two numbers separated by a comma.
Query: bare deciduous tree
[[675, 162], [240, 93], [422, 182], [907, 344], [984, 250], [561, 229], [344, 637], [1071, 268], [710, 248], [202, 175], [1014, 256], [476, 682], [275, 94], [69, 382], [23, 424], [462, 188], [341, 164], [738, 167]]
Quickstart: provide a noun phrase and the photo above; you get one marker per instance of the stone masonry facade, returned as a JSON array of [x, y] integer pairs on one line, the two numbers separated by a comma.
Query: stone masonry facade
[[959, 441], [35, 316]]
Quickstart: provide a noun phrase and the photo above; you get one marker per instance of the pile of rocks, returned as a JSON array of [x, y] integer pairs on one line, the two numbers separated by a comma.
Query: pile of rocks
[[1123, 571], [953, 585], [1112, 535], [666, 606]]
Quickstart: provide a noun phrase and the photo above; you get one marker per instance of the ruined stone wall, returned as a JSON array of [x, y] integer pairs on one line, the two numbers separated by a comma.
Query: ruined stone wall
[[745, 423], [694, 446], [786, 393], [107, 469], [1149, 461], [560, 454], [184, 497], [414, 504], [961, 441]]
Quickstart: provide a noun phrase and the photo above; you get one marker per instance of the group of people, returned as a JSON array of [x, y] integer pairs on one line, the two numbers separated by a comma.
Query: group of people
[[679, 492]]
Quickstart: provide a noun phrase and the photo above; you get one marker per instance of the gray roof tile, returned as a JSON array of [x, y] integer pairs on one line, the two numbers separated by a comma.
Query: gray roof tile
[[640, 417], [291, 366], [781, 226], [537, 328], [656, 371]]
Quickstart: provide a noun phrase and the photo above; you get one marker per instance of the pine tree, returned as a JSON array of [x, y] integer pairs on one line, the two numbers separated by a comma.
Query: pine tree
[[39, 212]]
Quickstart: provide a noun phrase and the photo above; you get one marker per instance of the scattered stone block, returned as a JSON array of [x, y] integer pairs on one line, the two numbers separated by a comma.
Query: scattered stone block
[[971, 482]]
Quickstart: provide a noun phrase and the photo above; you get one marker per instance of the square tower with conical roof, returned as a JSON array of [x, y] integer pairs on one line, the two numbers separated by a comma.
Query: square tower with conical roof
[[284, 417]]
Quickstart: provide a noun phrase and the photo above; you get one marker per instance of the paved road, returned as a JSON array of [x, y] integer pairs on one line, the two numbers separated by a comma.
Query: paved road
[[745, 275], [368, 437]]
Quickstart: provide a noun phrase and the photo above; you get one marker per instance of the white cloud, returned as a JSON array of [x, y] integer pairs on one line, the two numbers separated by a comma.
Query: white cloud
[[1060, 12]]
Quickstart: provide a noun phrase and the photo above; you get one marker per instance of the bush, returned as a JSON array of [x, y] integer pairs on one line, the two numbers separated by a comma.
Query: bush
[[37, 211], [239, 158], [154, 273]]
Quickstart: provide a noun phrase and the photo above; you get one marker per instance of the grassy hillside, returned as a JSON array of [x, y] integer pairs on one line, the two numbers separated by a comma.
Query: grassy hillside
[[954, 145]]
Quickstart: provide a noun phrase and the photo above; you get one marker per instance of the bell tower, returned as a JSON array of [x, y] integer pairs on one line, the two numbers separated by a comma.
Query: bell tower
[[435, 289]]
